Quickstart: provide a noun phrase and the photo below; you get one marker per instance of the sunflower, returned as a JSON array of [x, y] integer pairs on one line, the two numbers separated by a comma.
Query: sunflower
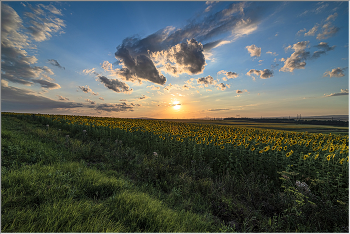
[[289, 153]]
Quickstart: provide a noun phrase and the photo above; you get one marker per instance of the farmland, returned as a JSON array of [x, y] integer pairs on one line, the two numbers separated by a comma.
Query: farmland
[[167, 176]]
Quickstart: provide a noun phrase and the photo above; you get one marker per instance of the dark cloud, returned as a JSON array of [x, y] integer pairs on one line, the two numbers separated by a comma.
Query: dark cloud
[[140, 67], [47, 84], [55, 63], [134, 53], [15, 99], [112, 107], [324, 48], [336, 72], [115, 85], [186, 57], [264, 74], [206, 80]]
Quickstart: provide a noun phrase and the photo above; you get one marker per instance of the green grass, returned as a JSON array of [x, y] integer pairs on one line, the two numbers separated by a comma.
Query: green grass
[[51, 183]]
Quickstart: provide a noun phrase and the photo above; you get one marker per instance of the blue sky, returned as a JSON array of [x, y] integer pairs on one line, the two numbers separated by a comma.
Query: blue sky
[[175, 59]]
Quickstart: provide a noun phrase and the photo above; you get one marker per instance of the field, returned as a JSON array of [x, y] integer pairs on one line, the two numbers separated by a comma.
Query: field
[[63, 173]]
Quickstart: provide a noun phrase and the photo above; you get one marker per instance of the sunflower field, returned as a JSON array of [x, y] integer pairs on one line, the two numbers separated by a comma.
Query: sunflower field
[[320, 160]]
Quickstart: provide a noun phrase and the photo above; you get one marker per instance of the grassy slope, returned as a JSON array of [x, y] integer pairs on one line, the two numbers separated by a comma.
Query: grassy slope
[[80, 184], [44, 191]]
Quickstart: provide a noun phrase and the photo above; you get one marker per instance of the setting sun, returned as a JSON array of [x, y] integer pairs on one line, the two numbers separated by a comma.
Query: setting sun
[[176, 105]]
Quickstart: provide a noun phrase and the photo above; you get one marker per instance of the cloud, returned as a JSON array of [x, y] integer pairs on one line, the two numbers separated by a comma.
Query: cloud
[[218, 109], [91, 102], [324, 48], [16, 65], [229, 75], [114, 107], [183, 45], [135, 69], [55, 63], [143, 97], [320, 8], [210, 5], [186, 57], [153, 87], [328, 31], [90, 71], [332, 17], [297, 59], [336, 72], [87, 90], [272, 53], [101, 98], [342, 93], [254, 51], [240, 91], [312, 31], [47, 84], [221, 86], [301, 31], [62, 98], [15, 99], [264, 74], [115, 85], [206, 81], [43, 24]]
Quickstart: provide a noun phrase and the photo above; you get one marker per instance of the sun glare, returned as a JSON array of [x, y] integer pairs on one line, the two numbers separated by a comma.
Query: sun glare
[[176, 105]]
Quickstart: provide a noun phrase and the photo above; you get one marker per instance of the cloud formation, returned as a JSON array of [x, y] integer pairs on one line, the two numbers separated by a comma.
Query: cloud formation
[[324, 47], [114, 107], [328, 30], [342, 93], [16, 65], [183, 46], [87, 90], [336, 72], [264, 74], [297, 59], [186, 57], [55, 63], [15, 99], [229, 75], [206, 81], [254, 50], [115, 85]]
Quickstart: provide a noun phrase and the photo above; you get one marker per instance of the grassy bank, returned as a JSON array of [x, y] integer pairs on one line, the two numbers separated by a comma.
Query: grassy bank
[[57, 180]]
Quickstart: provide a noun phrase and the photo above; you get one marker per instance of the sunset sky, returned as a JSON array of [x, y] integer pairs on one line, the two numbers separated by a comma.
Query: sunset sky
[[175, 59]]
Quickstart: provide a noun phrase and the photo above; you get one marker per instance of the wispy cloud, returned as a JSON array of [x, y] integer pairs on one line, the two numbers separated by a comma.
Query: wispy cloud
[[16, 65], [342, 93], [55, 63]]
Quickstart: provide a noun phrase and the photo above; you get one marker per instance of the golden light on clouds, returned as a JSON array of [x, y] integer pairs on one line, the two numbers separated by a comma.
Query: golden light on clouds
[[176, 105]]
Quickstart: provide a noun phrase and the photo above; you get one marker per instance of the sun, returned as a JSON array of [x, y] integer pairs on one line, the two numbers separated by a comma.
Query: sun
[[176, 105]]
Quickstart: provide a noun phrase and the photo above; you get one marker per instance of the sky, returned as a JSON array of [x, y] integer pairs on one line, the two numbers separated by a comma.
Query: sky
[[180, 59]]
